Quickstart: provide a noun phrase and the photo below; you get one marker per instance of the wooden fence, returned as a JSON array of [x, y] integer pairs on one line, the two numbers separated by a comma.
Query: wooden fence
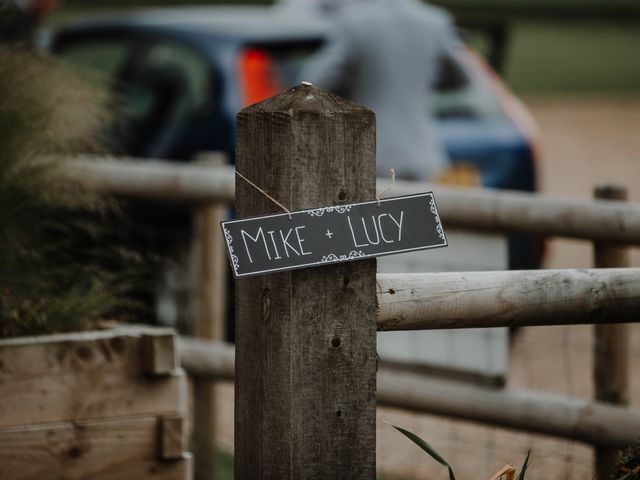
[[294, 421], [472, 209], [592, 422]]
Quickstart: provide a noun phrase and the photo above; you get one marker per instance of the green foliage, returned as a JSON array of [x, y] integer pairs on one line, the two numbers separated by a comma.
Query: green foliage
[[427, 448], [595, 57], [438, 458], [53, 274], [525, 465], [224, 465]]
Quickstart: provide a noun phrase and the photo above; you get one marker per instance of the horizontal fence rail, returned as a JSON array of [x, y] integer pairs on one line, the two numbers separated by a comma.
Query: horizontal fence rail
[[508, 298], [577, 419], [483, 210], [583, 420], [154, 179], [534, 214], [207, 359]]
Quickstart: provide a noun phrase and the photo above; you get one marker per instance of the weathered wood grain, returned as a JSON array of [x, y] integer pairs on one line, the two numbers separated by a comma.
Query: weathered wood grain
[[117, 449], [83, 376], [512, 298], [305, 340]]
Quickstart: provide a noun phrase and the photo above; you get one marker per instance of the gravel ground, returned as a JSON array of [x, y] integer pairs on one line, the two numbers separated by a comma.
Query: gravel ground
[[585, 142]]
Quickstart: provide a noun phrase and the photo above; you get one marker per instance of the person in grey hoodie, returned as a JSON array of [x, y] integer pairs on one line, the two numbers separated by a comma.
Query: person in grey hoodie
[[386, 55]]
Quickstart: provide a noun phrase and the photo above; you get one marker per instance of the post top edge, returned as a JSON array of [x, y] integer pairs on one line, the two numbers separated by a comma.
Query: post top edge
[[305, 97]]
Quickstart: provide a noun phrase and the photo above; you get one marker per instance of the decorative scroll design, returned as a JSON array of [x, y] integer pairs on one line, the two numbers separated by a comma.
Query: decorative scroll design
[[439, 229], [234, 259], [318, 212], [332, 257]]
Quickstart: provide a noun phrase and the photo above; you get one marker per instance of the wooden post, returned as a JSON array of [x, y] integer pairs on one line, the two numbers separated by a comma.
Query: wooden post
[[611, 341], [208, 305], [306, 339]]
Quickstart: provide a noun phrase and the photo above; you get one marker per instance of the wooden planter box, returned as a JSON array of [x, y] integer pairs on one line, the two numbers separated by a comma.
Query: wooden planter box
[[93, 405]]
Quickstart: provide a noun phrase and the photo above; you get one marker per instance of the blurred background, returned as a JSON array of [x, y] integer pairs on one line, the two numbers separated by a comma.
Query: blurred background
[[574, 66], [573, 63]]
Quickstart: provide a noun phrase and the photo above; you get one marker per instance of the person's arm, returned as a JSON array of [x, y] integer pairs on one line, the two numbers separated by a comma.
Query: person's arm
[[333, 65]]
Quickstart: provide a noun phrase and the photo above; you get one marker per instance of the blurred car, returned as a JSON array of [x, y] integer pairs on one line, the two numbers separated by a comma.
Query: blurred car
[[181, 75]]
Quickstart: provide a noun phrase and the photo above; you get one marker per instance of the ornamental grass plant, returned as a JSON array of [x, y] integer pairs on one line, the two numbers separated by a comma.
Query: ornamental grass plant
[[508, 472], [627, 468], [57, 255]]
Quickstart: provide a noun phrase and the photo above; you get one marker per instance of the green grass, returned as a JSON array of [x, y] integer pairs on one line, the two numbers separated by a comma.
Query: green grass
[[580, 58], [224, 466]]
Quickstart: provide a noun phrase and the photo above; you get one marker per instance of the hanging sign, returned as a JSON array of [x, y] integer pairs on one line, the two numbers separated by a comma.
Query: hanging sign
[[339, 233]]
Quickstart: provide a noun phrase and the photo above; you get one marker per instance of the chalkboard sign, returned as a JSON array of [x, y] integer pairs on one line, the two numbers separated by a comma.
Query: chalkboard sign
[[339, 233]]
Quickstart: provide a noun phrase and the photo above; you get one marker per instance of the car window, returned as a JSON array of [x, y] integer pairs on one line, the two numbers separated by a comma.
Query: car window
[[191, 66], [164, 91], [161, 88], [165, 76]]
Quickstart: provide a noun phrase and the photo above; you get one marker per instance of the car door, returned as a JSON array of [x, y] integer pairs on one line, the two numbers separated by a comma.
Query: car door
[[164, 90]]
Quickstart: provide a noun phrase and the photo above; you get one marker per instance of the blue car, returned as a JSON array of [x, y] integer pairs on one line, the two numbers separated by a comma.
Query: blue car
[[181, 74]]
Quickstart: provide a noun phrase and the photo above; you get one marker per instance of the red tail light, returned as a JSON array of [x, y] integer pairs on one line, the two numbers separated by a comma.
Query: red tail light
[[258, 76]]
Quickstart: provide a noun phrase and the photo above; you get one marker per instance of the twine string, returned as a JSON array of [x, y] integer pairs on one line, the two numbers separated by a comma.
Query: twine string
[[264, 193], [393, 182], [378, 196]]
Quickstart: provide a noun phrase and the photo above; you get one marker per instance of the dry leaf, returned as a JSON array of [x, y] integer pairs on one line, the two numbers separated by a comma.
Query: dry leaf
[[508, 471]]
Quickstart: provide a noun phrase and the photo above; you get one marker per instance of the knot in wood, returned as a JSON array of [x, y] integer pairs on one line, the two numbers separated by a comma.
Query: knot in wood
[[266, 305]]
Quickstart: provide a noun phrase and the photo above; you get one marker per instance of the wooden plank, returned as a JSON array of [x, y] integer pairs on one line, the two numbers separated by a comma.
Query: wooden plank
[[89, 335], [504, 299], [611, 342], [83, 376], [172, 437], [124, 448], [159, 355], [305, 340]]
